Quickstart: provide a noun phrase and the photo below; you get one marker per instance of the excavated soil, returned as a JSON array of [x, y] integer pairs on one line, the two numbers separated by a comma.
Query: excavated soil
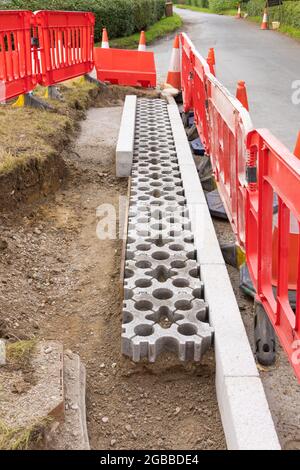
[[59, 281]]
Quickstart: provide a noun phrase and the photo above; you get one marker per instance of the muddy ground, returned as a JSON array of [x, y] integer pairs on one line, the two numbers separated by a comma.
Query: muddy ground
[[59, 281]]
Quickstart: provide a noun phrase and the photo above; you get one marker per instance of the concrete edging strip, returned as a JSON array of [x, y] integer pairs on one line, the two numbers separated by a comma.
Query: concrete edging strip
[[245, 413], [124, 150]]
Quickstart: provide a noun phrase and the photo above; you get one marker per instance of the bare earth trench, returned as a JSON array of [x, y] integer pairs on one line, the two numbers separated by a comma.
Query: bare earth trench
[[59, 281]]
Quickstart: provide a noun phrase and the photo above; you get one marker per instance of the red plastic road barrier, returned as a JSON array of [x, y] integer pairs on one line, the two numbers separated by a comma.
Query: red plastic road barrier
[[16, 65], [278, 172], [66, 43], [187, 52], [223, 124], [123, 67], [229, 125]]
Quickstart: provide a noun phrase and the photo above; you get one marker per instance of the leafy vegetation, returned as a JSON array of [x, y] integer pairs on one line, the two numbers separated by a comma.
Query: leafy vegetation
[[120, 17], [158, 30], [288, 14]]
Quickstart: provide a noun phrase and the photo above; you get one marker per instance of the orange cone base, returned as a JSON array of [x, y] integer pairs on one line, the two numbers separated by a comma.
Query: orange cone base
[[264, 26], [174, 79], [241, 94]]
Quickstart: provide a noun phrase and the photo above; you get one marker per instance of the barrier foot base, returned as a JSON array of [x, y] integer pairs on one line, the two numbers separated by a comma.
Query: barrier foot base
[[264, 337], [95, 81], [192, 133], [188, 119], [185, 119], [53, 93], [233, 255], [247, 287], [30, 100], [215, 205], [178, 98], [246, 284], [197, 147]]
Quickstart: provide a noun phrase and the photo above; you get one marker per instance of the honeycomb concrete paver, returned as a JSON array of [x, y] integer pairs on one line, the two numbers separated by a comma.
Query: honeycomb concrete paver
[[164, 307]]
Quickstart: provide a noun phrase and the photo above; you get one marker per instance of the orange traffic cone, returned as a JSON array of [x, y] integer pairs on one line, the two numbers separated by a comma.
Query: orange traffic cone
[[239, 13], [297, 147], [105, 43], [211, 60], [142, 44], [174, 75], [211, 54], [265, 21], [241, 94]]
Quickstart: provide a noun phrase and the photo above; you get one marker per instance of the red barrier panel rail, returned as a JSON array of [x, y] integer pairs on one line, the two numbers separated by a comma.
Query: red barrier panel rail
[[187, 51], [17, 74], [125, 67], [200, 98], [278, 171], [66, 44]]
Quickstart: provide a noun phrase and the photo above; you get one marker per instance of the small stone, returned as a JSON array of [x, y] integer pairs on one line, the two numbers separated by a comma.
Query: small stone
[[114, 365], [128, 428], [177, 410], [48, 350], [113, 442], [102, 365], [105, 419], [37, 231], [74, 407]]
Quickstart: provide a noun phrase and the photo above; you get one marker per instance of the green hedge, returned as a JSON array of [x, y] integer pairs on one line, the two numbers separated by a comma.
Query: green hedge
[[288, 14], [221, 5], [194, 3], [218, 6], [120, 17]]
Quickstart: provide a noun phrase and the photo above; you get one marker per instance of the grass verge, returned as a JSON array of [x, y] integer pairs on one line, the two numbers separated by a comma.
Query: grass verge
[[18, 355], [156, 31], [22, 438], [28, 134], [284, 29], [20, 351]]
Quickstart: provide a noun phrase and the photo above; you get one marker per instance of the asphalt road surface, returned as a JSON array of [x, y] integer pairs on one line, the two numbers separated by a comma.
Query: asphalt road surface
[[268, 61]]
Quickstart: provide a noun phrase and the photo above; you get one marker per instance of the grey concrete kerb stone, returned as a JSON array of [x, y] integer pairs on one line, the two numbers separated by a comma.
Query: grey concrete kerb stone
[[124, 151]]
